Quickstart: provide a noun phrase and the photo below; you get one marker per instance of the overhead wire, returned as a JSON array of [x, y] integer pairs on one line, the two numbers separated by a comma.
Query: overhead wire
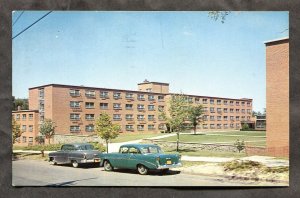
[[18, 18], [31, 25]]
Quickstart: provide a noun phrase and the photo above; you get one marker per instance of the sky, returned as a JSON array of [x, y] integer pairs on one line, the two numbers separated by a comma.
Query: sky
[[194, 53]]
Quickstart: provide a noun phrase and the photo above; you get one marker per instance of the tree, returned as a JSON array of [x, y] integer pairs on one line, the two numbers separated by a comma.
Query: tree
[[194, 116], [105, 129], [16, 131], [47, 129], [216, 15], [240, 145], [176, 115], [22, 102], [40, 139]]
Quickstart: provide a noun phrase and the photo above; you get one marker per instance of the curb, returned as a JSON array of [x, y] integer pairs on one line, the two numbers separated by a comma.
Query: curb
[[235, 177]]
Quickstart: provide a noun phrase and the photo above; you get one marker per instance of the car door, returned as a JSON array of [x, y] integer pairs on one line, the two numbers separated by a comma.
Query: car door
[[59, 155], [132, 157], [120, 160]]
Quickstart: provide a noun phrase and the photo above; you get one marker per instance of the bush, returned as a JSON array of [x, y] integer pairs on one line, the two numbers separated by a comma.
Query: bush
[[240, 145], [51, 147], [98, 146], [238, 165]]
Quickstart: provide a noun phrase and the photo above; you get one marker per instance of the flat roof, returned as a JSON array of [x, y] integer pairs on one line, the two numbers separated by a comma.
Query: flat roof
[[143, 92], [158, 83], [276, 40], [25, 111]]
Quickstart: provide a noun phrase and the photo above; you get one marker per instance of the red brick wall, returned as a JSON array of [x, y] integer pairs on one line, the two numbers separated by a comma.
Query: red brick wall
[[277, 65]]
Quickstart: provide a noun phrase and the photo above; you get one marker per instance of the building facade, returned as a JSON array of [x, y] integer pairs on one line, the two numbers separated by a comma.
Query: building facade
[[277, 64], [74, 109]]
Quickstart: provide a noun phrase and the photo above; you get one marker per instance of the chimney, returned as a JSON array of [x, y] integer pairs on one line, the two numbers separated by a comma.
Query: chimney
[[19, 108]]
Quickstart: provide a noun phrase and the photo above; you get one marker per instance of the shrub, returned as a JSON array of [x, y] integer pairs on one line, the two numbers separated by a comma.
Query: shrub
[[239, 165], [240, 145], [98, 146]]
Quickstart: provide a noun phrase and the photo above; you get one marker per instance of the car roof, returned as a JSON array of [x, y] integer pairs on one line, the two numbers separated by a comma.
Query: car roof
[[78, 144], [138, 145]]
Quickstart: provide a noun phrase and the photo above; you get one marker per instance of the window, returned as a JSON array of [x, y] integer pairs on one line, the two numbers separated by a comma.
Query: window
[[160, 98], [129, 117], [231, 110], [30, 116], [248, 104], [140, 127], [225, 118], [89, 116], [74, 92], [243, 118], [204, 126], [189, 99], [237, 118], [243, 110], [129, 96], [231, 125], [124, 149], [104, 94], [74, 116], [204, 101], [151, 97], [129, 128], [117, 95], [237, 103], [30, 140], [103, 105], [117, 106], [243, 103], [18, 117], [140, 107], [129, 106], [212, 126], [133, 150], [205, 109], [89, 128], [219, 118], [219, 110], [225, 102], [237, 125], [225, 126], [23, 116], [205, 117], [237, 111], [161, 126], [23, 128], [74, 128], [248, 117], [151, 127], [150, 117], [212, 101], [218, 102], [231, 103], [90, 93], [89, 105], [249, 111], [75, 104], [141, 97], [225, 110], [151, 107], [41, 93], [24, 139], [140, 117], [160, 117], [148, 89], [116, 117], [197, 100], [212, 118], [219, 126], [231, 118], [30, 128], [212, 109]]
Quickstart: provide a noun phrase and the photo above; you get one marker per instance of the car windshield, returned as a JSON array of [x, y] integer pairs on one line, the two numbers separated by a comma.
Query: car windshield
[[85, 147], [151, 150]]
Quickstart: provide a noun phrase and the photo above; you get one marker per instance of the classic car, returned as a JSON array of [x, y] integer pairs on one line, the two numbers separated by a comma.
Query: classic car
[[75, 154], [141, 157]]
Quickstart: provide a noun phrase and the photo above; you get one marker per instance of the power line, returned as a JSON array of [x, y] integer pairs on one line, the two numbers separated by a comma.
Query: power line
[[18, 18], [32, 24]]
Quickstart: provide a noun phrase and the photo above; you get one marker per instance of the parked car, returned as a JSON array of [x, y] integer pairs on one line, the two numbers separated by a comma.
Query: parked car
[[75, 154], [142, 157]]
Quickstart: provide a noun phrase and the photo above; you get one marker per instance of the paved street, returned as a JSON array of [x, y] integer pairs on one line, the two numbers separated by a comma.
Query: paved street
[[40, 173]]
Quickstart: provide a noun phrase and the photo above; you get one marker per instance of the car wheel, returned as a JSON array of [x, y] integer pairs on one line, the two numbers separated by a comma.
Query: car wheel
[[52, 162], [107, 166], [165, 171], [143, 170], [75, 164]]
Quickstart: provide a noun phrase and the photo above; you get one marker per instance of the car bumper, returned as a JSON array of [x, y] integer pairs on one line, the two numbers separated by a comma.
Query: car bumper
[[169, 166], [95, 160]]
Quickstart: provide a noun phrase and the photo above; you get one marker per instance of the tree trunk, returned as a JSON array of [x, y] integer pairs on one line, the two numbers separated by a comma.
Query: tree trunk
[[195, 127], [177, 149], [106, 146], [49, 140]]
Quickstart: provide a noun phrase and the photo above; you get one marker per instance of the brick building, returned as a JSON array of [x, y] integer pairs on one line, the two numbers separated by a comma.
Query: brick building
[[277, 63], [75, 108]]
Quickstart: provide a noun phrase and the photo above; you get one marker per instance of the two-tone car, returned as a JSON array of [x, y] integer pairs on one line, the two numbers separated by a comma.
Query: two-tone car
[[141, 157], [75, 154]]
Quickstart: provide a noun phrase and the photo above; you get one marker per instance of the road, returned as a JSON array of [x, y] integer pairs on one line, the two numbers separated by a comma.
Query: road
[[40, 173]]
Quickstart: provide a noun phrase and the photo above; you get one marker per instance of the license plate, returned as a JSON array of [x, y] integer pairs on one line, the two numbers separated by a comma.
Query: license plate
[[169, 162], [96, 160]]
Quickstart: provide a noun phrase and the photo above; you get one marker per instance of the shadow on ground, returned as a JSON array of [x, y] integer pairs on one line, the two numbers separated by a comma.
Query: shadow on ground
[[150, 173]]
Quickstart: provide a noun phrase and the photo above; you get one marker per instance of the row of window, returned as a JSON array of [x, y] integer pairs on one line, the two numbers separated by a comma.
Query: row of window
[[24, 128], [225, 110], [24, 139], [91, 128], [116, 117], [219, 118], [219, 126], [116, 95], [24, 116], [218, 101], [118, 106]]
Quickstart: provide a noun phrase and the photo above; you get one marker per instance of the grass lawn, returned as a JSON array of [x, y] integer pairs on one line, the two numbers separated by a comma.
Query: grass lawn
[[133, 136], [244, 133], [206, 153], [206, 138]]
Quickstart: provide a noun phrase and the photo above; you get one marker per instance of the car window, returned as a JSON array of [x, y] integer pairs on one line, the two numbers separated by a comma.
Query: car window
[[133, 150], [124, 150], [65, 147], [85, 147], [151, 149]]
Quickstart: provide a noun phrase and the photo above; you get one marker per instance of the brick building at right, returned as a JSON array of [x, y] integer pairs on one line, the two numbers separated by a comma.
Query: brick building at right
[[277, 93]]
